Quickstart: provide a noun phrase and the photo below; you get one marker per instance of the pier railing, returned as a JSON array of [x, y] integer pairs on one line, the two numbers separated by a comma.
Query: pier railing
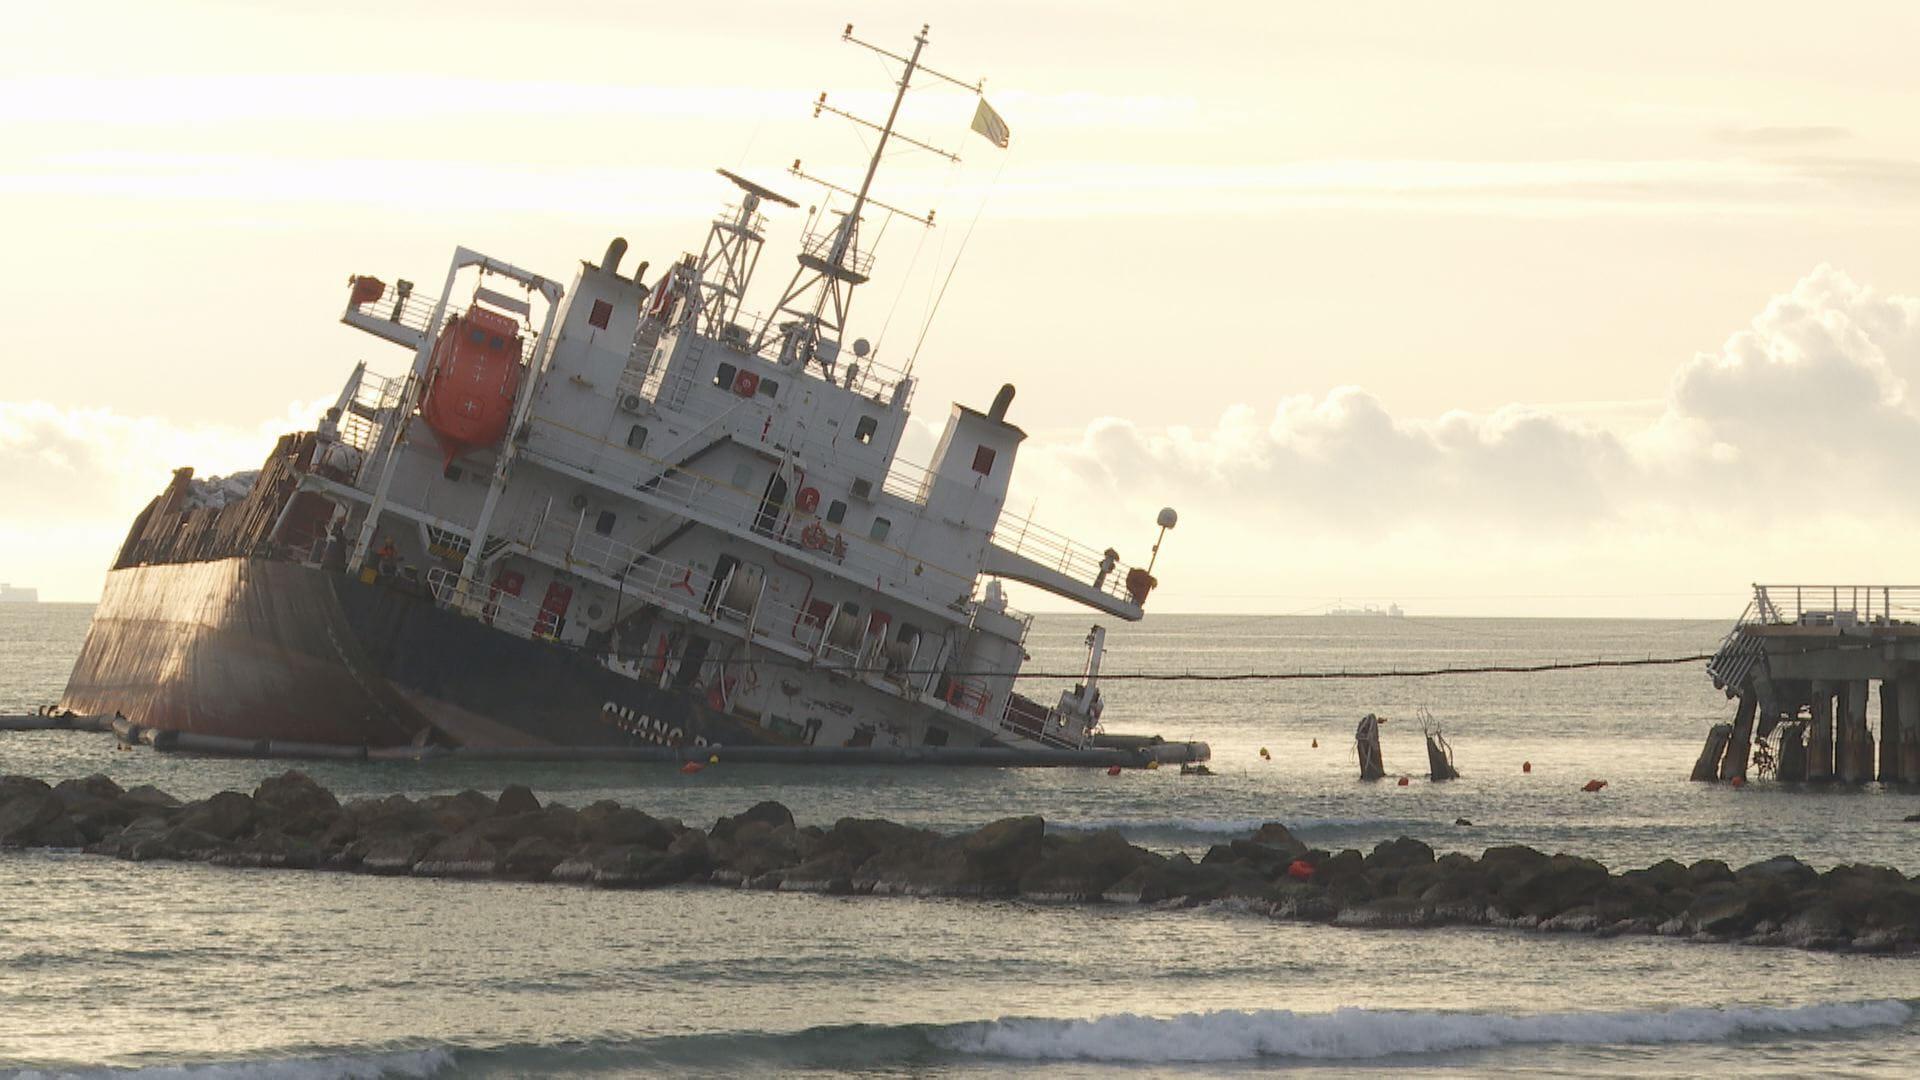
[[1832, 605]]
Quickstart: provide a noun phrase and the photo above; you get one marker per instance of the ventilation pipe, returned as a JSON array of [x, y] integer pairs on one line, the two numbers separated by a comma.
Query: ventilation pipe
[[1001, 402], [616, 250]]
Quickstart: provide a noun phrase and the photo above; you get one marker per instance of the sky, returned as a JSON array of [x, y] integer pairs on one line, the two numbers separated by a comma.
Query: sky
[[1481, 308]]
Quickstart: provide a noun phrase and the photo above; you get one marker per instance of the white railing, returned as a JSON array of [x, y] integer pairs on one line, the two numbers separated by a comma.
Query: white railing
[[516, 615], [1062, 555], [415, 312], [1824, 605]]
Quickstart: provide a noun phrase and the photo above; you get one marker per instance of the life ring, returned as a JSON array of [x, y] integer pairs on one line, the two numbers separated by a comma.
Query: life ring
[[807, 501], [814, 536]]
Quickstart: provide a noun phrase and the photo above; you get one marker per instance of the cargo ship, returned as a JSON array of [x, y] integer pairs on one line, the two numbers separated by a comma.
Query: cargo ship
[[617, 512]]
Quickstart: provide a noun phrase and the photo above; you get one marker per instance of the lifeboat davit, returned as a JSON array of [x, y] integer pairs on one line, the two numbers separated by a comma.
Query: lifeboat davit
[[472, 380]]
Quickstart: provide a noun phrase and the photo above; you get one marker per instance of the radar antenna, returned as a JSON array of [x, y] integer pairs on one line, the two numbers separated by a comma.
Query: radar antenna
[[831, 260]]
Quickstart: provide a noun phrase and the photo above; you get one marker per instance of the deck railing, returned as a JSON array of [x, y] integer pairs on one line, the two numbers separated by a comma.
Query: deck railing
[[1825, 605]]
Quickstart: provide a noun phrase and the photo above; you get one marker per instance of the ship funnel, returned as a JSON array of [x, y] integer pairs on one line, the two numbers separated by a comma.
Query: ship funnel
[[616, 251], [1001, 402], [640, 272]]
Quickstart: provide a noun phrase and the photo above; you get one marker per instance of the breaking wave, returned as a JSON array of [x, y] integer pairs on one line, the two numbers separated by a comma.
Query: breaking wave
[[418, 1063], [1124, 1038], [1370, 1033]]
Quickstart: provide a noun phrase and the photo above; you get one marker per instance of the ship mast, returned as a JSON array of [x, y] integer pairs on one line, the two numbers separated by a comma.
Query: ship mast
[[831, 263]]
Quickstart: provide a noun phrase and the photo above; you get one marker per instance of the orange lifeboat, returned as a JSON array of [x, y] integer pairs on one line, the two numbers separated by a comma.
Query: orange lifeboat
[[472, 380]]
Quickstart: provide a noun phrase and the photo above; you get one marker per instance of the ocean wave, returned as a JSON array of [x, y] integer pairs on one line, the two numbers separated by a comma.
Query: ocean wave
[[1371, 1033], [417, 1063]]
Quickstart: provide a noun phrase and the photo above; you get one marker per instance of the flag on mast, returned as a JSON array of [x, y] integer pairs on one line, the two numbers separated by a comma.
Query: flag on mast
[[988, 123]]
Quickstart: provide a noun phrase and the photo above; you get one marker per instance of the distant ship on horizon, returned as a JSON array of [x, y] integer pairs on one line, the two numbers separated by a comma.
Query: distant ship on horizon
[[1391, 611], [18, 594]]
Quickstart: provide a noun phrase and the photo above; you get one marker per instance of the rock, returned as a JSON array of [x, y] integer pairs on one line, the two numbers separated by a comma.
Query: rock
[[95, 788], [831, 873], [1708, 872], [986, 862], [393, 853], [146, 795], [1510, 860], [1785, 869], [1664, 876], [517, 799], [531, 858], [272, 848], [454, 813], [224, 815], [634, 867], [769, 813], [1081, 869], [1275, 835], [26, 814], [1560, 884], [622, 825], [298, 805], [12, 787], [755, 848], [465, 855], [862, 838], [1399, 854]]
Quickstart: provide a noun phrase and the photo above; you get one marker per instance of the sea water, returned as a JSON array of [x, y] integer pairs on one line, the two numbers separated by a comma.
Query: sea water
[[189, 970]]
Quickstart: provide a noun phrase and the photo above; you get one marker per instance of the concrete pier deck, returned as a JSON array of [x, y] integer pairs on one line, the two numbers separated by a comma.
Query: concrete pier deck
[[1810, 667]]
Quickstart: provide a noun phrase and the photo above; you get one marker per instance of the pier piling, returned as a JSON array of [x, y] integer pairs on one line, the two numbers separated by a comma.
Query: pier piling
[[1790, 764], [1853, 743], [1708, 766], [1740, 745], [1889, 731], [1906, 755], [1820, 734]]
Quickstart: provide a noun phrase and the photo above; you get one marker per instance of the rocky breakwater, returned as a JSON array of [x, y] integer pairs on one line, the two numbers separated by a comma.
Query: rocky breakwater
[[289, 821]]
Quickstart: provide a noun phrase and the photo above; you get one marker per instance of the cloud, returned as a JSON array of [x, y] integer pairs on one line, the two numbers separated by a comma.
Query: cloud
[[1782, 135], [1791, 443], [71, 481]]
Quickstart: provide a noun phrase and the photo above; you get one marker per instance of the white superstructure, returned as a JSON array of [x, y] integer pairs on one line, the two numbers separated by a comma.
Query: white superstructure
[[713, 500]]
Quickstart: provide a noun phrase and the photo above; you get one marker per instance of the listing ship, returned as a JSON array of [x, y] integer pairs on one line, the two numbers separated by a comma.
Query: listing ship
[[615, 514]]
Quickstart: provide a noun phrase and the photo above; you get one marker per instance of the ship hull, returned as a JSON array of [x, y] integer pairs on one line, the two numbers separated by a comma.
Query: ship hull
[[244, 648]]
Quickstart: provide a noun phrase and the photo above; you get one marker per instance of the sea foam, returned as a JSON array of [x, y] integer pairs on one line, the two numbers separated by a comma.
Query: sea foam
[[1229, 1035]]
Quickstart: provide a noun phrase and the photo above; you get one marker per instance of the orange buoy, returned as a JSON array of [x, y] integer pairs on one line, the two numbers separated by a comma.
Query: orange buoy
[[1403, 782], [691, 767], [1526, 766], [1300, 870], [1738, 781], [1593, 785], [1316, 744], [1113, 770]]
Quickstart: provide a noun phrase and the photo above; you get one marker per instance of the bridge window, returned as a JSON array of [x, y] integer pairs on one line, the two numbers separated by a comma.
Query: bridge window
[[880, 528], [637, 436], [602, 314], [863, 431], [836, 512], [723, 378], [983, 460], [769, 388], [604, 523]]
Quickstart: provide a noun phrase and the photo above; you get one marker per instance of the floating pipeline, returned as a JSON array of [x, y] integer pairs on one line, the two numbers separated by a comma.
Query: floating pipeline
[[291, 822], [1108, 751]]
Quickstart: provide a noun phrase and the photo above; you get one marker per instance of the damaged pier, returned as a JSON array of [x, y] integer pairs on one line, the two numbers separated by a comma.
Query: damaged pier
[[1809, 665]]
